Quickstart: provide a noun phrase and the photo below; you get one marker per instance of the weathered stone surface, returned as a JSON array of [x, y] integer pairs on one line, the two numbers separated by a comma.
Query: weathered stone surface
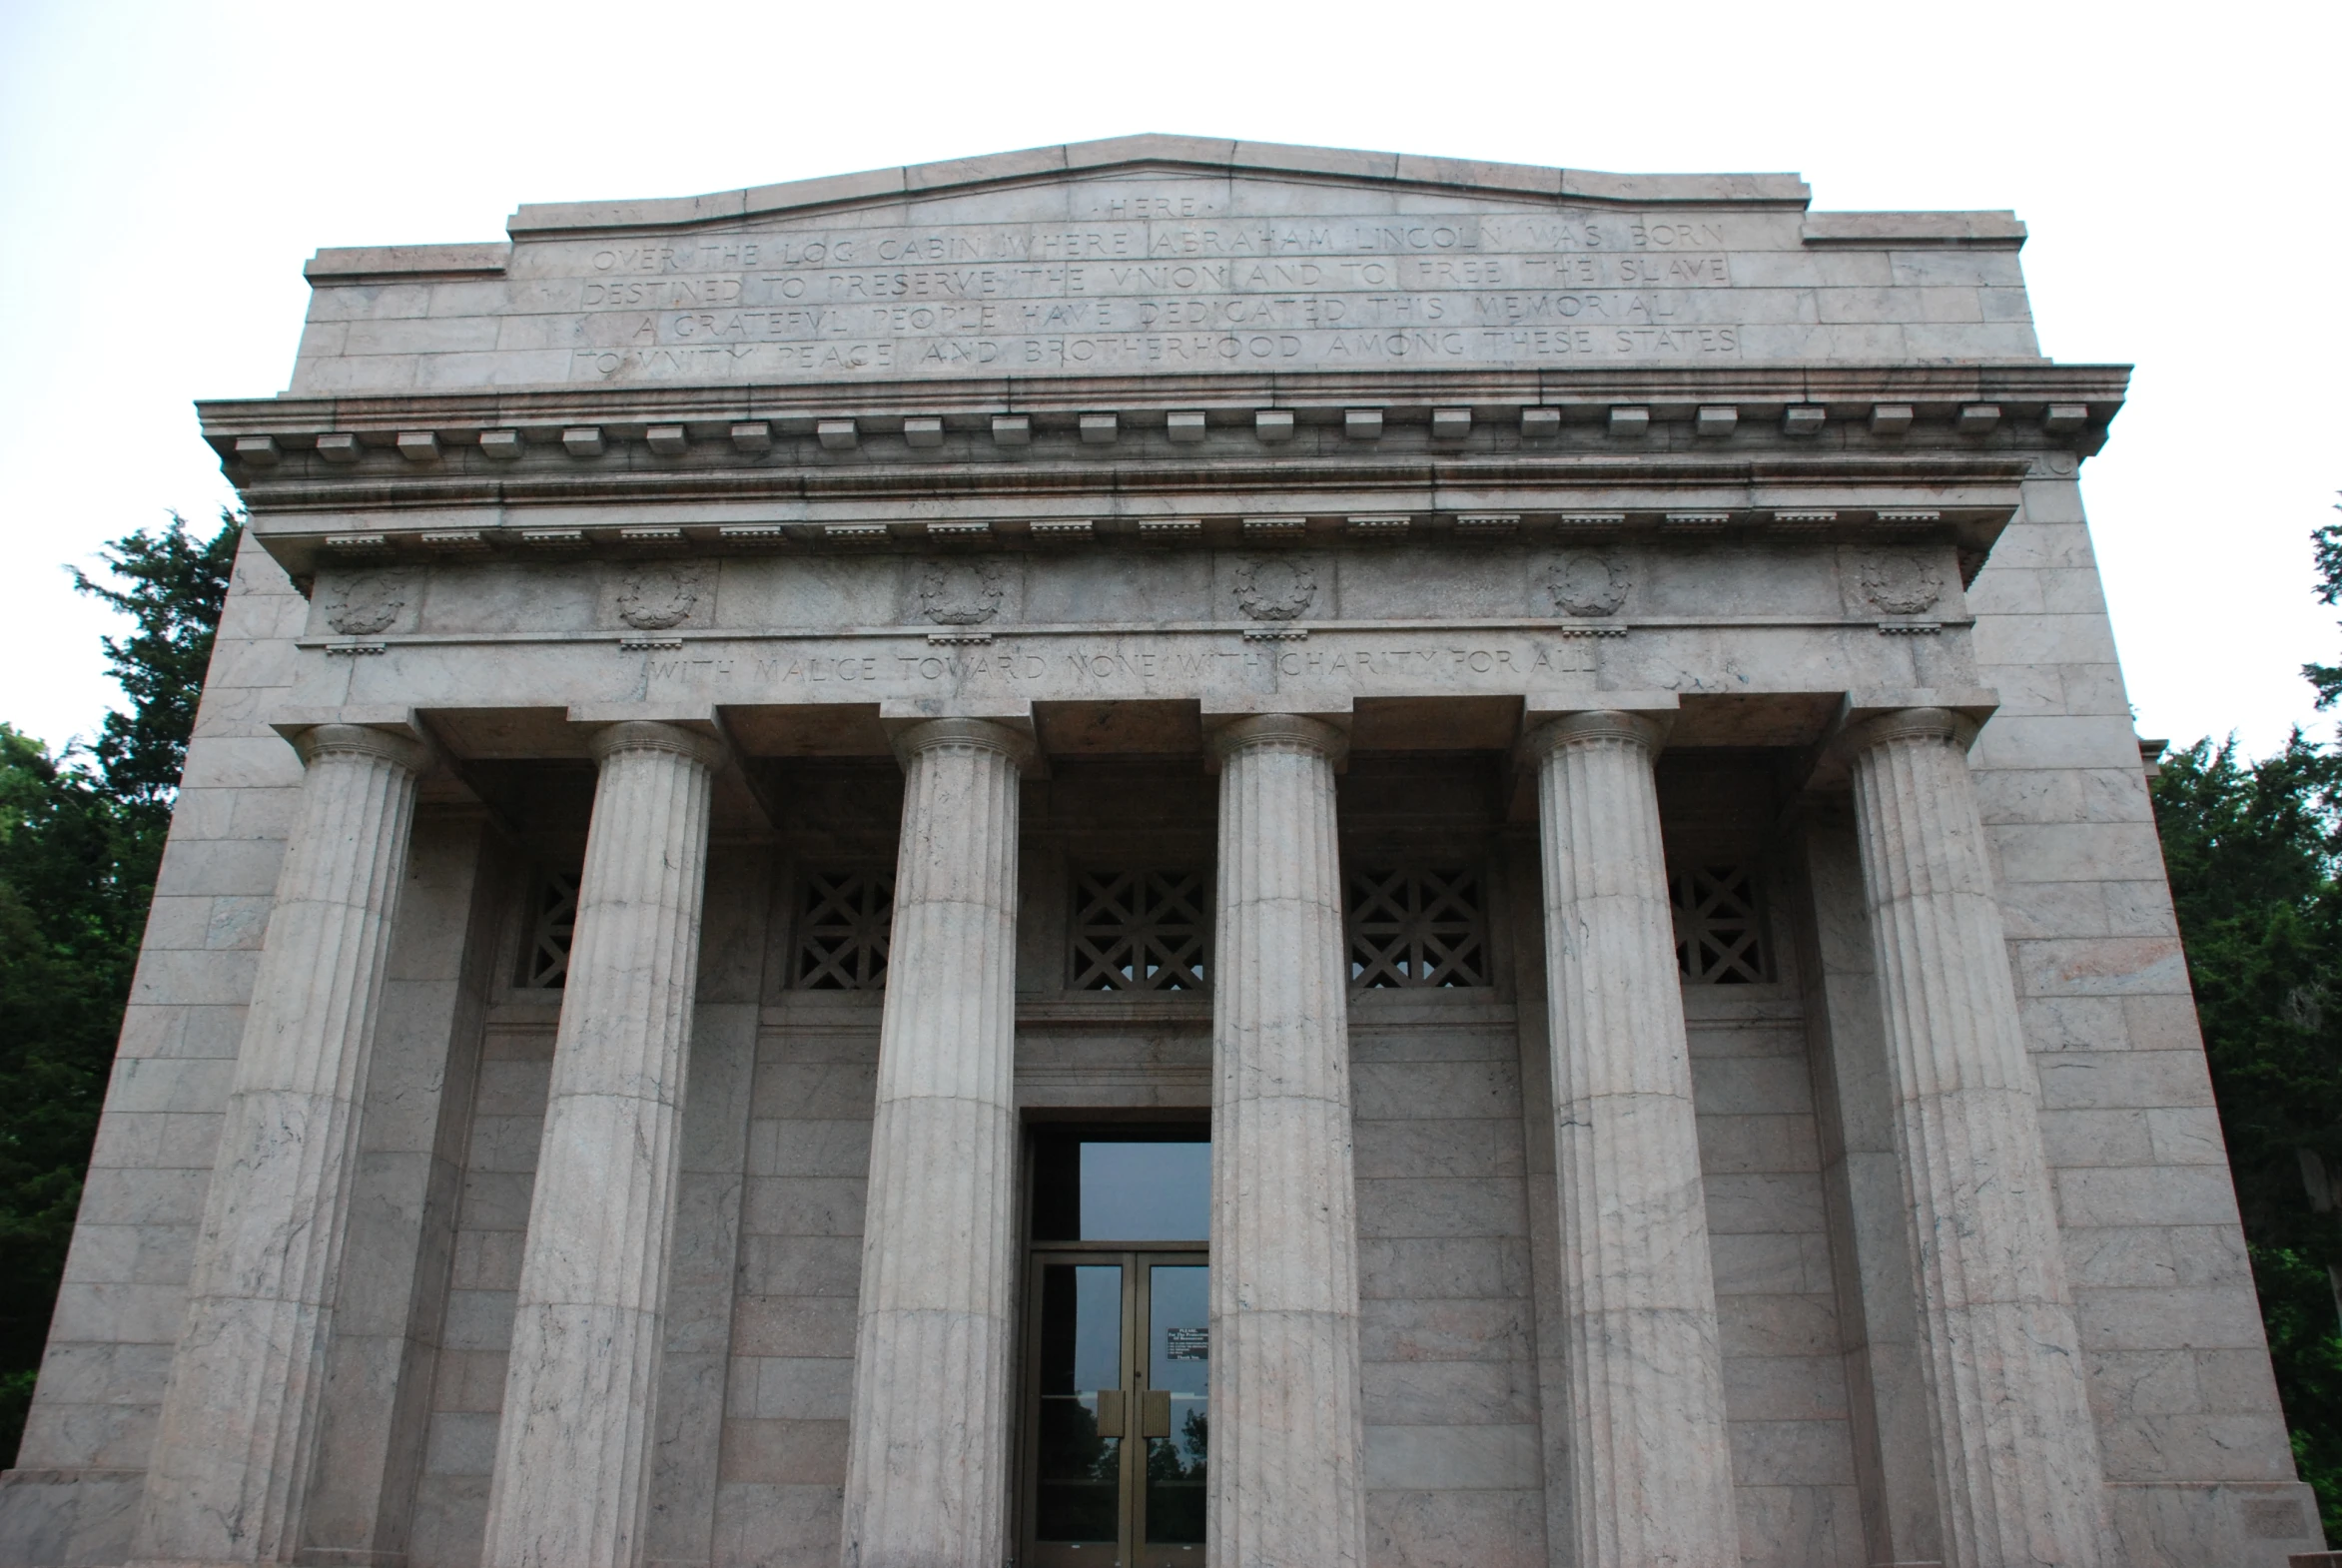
[[1288, 1461], [2017, 1453], [573, 1449], [238, 1433], [1651, 1464], [1132, 265], [1122, 445], [927, 1473]]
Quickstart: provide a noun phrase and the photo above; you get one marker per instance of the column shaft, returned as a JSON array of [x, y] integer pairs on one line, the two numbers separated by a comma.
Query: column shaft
[[2017, 1452], [1286, 1433], [573, 1449], [926, 1473], [1651, 1468], [237, 1430]]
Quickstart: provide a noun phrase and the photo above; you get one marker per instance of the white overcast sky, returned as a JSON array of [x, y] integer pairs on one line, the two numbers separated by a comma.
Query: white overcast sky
[[166, 166]]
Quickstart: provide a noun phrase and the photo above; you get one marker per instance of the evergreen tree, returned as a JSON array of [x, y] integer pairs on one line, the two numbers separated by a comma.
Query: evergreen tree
[[171, 587], [2254, 850], [2251, 851], [81, 838]]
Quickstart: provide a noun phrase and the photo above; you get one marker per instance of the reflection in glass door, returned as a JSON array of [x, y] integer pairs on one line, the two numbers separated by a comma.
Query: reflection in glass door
[[1119, 1354], [1176, 1420], [1078, 1500], [1121, 1410]]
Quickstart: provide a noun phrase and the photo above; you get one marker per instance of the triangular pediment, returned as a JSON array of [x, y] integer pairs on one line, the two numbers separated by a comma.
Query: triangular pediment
[[1382, 175]]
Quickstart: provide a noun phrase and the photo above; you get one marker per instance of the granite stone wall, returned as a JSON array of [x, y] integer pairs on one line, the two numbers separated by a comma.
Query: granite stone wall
[[2170, 1327], [1032, 440], [73, 1495]]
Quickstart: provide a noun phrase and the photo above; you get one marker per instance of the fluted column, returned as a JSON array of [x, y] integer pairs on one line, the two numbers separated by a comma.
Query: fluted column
[[1286, 1433], [238, 1429], [1651, 1468], [926, 1473], [572, 1475], [2017, 1453]]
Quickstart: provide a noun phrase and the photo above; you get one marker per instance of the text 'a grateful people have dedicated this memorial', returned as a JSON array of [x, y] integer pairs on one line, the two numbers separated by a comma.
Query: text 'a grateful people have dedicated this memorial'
[[1166, 853]]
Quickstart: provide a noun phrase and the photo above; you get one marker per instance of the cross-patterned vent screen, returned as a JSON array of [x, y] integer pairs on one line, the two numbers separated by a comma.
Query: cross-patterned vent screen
[[553, 923], [1141, 931], [1718, 926], [1418, 926], [844, 919]]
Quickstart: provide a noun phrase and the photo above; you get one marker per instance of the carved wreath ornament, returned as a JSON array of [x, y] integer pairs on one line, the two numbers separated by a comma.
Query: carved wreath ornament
[[657, 598], [1901, 583], [1588, 585], [367, 603], [1275, 587], [960, 594]]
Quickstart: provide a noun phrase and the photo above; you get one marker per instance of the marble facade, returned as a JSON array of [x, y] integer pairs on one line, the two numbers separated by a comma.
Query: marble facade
[[1675, 962]]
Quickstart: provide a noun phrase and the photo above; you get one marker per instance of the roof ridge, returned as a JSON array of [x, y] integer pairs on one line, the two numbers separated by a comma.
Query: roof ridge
[[1230, 156]]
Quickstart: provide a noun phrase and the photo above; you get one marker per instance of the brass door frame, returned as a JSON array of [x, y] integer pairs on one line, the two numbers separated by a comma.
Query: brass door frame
[[1132, 1259]]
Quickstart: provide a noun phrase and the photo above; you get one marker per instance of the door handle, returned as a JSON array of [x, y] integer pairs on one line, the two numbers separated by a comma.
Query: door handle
[[1154, 1413], [1112, 1419]]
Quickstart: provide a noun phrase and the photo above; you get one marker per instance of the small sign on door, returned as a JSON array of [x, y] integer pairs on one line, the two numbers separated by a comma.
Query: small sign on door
[[1188, 1344]]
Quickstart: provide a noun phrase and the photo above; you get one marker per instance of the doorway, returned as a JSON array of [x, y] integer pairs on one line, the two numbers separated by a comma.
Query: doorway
[[1118, 1351]]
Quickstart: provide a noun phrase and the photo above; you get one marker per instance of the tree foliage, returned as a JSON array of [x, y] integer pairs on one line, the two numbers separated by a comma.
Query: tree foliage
[[81, 838], [2326, 548], [2254, 850], [2251, 848]]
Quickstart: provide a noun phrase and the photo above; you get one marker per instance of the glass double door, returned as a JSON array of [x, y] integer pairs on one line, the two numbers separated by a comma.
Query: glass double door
[[1119, 1417]]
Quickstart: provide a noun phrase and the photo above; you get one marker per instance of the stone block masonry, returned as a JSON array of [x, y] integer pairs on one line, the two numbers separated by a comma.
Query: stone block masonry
[[1565, 722]]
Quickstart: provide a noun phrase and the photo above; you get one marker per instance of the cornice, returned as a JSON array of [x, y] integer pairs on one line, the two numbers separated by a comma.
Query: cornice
[[2022, 388], [1840, 452]]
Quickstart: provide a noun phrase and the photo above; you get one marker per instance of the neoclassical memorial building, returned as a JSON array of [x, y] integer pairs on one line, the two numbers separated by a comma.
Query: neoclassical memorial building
[[1166, 854]]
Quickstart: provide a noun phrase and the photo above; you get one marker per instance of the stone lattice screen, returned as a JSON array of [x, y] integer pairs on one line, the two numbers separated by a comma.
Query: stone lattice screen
[[1720, 925], [1417, 926], [1140, 931], [550, 926], [843, 921]]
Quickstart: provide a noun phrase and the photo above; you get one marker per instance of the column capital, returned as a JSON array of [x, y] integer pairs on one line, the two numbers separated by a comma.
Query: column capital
[[1945, 724], [650, 735], [980, 734], [1291, 731], [1593, 726], [328, 740]]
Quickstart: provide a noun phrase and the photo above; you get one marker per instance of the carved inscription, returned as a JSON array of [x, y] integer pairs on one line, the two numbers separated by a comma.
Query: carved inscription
[[1157, 278], [1115, 666]]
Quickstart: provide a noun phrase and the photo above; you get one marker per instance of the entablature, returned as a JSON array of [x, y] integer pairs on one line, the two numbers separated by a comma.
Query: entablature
[[1069, 463]]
